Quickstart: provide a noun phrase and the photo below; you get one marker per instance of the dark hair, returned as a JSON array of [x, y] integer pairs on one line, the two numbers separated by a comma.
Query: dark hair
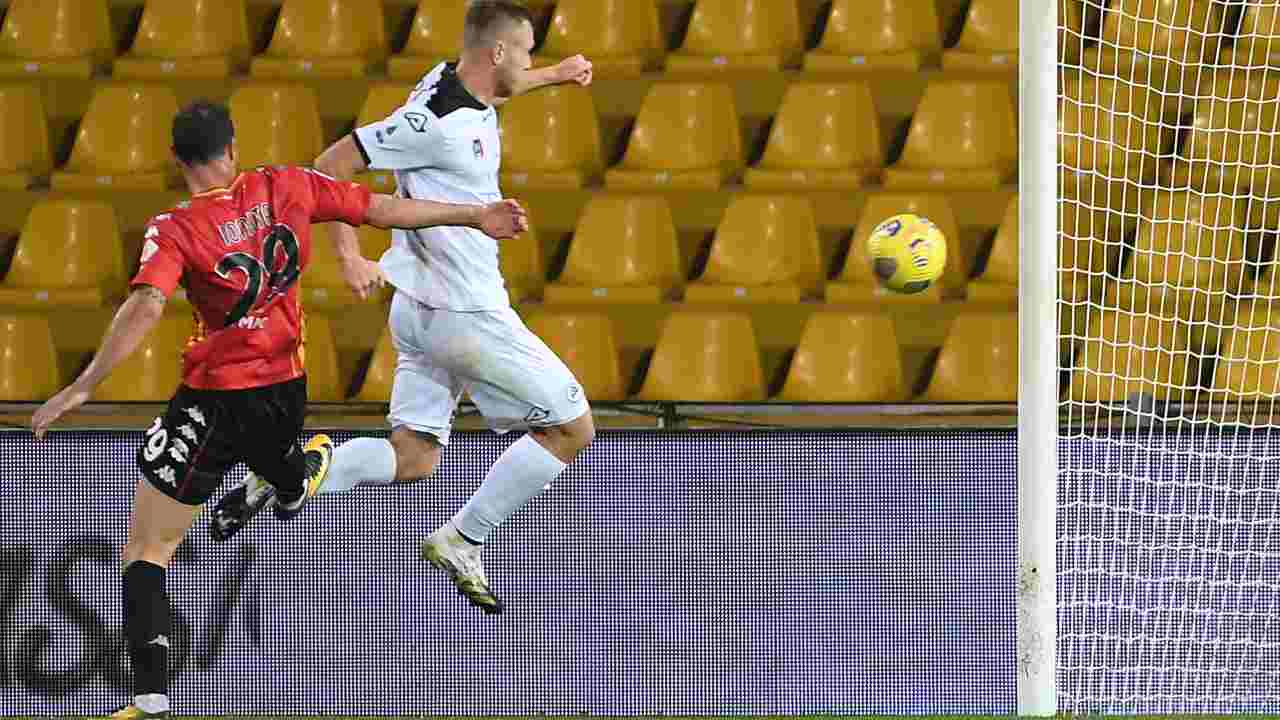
[[483, 16], [202, 131]]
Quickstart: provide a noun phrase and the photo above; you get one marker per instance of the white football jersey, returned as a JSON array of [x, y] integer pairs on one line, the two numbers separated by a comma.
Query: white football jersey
[[443, 145]]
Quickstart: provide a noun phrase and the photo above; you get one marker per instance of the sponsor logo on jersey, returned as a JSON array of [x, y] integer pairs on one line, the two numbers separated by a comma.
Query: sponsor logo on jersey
[[417, 121], [149, 249]]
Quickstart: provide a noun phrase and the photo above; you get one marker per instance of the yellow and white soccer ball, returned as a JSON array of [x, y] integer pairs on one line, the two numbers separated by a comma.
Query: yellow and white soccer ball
[[908, 253]]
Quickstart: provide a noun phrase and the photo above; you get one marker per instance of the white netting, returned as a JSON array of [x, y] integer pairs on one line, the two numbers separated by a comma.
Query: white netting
[[1169, 310]]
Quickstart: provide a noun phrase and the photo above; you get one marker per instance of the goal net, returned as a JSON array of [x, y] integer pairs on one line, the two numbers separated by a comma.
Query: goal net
[[1168, 540]]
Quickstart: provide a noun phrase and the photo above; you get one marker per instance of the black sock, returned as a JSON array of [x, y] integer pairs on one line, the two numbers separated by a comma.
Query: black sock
[[289, 477], [147, 627]]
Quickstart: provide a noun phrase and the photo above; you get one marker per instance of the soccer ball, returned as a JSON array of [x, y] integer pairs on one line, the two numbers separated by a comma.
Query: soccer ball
[[908, 253]]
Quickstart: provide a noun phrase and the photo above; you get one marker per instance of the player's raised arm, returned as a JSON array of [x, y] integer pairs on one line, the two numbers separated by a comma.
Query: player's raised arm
[[132, 322], [499, 220], [576, 69]]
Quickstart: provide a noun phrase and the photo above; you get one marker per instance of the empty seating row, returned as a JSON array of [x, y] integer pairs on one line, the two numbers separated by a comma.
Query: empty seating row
[[700, 357], [687, 135], [347, 38]]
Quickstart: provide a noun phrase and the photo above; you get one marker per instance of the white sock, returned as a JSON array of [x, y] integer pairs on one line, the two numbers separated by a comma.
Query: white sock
[[153, 703], [362, 461], [523, 470]]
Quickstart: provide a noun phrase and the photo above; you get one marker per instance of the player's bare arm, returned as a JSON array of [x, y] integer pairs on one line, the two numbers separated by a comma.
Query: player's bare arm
[[499, 220], [363, 276], [576, 69], [135, 318]]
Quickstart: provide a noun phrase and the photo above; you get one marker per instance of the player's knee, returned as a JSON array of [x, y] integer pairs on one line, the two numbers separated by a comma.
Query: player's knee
[[582, 432], [156, 551], [566, 441], [417, 454]]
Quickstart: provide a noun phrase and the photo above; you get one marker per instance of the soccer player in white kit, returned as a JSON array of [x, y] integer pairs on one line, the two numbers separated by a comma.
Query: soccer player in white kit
[[451, 320]]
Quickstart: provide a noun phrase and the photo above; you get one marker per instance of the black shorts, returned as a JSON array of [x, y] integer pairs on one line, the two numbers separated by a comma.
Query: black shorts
[[204, 432]]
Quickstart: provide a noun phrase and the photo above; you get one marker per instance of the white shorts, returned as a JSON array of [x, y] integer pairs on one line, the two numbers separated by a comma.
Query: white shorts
[[512, 376]]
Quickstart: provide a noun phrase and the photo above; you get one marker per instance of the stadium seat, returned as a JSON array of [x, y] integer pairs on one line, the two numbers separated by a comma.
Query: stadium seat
[[686, 137], [199, 39], [845, 357], [1186, 31], [551, 140], [322, 284], [870, 35], [435, 35], [1257, 41], [857, 283], [55, 39], [1071, 37], [705, 357], [1111, 127], [123, 142], [376, 387], [623, 251], [276, 125], [963, 137], [825, 137], [520, 260], [765, 250], [1248, 364], [1189, 241], [331, 39], [989, 39], [585, 342], [1230, 144], [28, 361], [320, 358], [978, 362], [24, 138], [1096, 217], [1126, 353], [383, 99], [69, 254], [622, 38], [999, 281], [739, 35], [152, 373]]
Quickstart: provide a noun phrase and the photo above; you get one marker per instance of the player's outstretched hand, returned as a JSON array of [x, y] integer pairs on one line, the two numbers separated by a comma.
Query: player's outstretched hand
[[576, 69], [503, 219], [71, 397], [363, 276]]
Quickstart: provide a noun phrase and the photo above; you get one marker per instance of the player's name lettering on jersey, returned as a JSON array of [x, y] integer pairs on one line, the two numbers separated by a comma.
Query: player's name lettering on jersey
[[246, 226]]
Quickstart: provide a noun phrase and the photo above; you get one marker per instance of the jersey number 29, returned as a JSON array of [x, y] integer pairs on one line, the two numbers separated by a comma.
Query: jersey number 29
[[276, 273]]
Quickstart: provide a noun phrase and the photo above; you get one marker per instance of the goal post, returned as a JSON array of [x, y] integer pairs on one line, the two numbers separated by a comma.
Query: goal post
[[1037, 357]]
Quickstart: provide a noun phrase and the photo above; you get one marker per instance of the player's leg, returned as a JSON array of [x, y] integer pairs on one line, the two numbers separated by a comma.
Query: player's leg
[[515, 382]]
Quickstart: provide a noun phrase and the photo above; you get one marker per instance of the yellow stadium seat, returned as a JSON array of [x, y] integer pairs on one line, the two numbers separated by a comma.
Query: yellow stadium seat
[[1130, 352], [999, 281], [123, 142], [276, 125], [739, 35], [1257, 41], [765, 250], [198, 39], [1071, 37], [435, 35], [824, 137], [1109, 126], [152, 373], [857, 283], [331, 39], [322, 284], [585, 342], [1190, 241], [686, 137], [551, 140], [320, 358], [1096, 217], [376, 387], [963, 137], [55, 38], [1185, 31], [520, 261], [705, 357], [28, 361], [1230, 144], [623, 251], [383, 100], [845, 357], [870, 35], [69, 254], [1248, 366], [989, 40], [621, 37], [24, 137], [978, 362]]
